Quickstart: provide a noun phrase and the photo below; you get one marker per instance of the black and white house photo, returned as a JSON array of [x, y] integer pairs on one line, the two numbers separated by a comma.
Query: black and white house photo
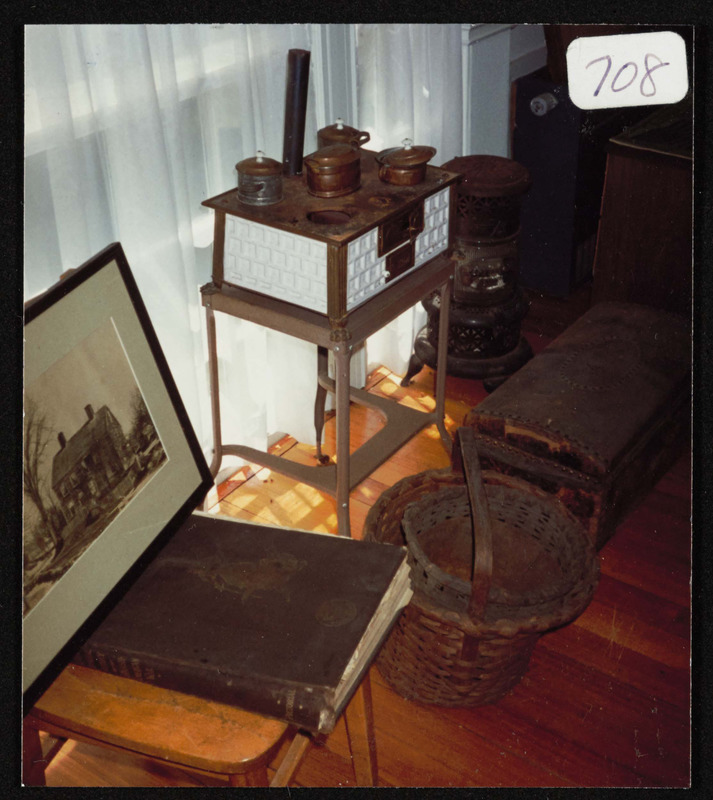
[[90, 445]]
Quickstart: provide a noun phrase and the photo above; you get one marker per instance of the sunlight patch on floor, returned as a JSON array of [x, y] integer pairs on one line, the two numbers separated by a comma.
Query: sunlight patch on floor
[[423, 403]]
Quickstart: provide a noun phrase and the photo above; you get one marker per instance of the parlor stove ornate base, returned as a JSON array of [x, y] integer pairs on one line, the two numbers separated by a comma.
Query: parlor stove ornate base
[[483, 343]]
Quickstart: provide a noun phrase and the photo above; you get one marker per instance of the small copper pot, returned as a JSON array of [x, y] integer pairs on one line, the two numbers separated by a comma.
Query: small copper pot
[[339, 133], [404, 166], [333, 171], [259, 180]]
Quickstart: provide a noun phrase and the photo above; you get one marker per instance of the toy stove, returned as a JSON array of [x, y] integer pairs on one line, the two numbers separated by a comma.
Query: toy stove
[[330, 255]]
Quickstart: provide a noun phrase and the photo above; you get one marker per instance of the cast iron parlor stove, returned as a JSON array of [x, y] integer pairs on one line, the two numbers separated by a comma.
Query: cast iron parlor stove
[[484, 340]]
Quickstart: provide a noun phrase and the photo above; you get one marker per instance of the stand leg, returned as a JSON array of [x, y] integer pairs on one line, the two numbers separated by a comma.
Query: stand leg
[[342, 355], [320, 400], [359, 719], [214, 393], [442, 363]]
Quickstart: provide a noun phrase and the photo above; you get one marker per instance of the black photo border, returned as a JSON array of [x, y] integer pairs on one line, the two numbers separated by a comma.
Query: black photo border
[[199, 476]]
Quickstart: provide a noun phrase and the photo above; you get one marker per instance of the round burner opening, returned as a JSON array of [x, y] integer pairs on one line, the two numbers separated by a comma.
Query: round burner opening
[[329, 216]]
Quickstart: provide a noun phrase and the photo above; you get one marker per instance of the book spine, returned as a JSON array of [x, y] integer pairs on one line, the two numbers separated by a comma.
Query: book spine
[[308, 707]]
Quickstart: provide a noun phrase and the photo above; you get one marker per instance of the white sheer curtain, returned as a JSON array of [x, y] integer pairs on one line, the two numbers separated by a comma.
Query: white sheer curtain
[[128, 129], [409, 86]]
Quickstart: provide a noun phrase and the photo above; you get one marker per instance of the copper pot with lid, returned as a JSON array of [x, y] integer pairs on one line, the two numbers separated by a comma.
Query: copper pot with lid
[[333, 170], [259, 180], [339, 133], [406, 165]]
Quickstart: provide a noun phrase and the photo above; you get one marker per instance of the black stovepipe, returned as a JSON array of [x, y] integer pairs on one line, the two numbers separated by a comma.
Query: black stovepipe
[[295, 111]]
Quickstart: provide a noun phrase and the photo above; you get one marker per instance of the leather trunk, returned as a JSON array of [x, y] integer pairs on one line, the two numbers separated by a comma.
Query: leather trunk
[[598, 416]]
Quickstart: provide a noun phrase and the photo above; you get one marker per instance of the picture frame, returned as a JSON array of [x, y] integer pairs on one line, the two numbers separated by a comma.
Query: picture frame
[[110, 459]]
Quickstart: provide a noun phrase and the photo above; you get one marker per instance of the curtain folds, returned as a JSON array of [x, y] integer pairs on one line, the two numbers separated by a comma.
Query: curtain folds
[[409, 86], [128, 128]]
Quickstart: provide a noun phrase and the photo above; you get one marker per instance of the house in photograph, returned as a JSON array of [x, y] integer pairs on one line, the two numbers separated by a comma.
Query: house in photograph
[[91, 465]]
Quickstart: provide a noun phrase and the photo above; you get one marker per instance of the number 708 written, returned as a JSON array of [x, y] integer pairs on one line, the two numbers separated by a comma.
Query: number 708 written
[[627, 74]]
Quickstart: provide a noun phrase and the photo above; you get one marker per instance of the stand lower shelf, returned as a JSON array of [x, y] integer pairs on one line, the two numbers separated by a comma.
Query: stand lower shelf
[[402, 424]]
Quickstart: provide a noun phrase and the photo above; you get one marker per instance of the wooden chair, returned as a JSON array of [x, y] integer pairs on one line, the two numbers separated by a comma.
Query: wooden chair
[[208, 738]]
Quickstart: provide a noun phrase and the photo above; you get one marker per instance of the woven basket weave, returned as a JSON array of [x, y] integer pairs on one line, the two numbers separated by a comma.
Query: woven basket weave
[[459, 643]]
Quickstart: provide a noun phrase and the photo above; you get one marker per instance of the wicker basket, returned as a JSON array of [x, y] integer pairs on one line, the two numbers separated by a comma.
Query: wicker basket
[[467, 643]]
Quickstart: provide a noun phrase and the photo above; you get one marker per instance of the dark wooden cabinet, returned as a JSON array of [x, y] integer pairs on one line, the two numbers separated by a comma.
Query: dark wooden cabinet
[[565, 151], [644, 246]]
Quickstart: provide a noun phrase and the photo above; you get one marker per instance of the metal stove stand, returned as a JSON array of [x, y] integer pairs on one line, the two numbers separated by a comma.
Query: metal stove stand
[[401, 422]]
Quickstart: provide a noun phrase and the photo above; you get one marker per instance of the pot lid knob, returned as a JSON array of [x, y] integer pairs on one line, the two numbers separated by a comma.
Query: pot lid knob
[[407, 156], [339, 122], [259, 164]]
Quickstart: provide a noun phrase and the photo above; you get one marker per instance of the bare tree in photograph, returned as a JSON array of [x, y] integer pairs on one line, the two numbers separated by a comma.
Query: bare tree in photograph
[[143, 437], [37, 435], [141, 423]]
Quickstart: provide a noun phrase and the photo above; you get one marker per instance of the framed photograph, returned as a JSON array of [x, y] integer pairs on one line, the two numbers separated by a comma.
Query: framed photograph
[[110, 459]]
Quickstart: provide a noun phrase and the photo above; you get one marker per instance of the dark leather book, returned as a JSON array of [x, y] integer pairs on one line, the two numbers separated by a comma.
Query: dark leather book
[[277, 621]]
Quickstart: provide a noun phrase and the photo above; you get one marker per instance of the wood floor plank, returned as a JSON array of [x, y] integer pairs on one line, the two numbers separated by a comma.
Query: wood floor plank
[[627, 665], [421, 746], [573, 763], [620, 629], [625, 563], [642, 733], [644, 608]]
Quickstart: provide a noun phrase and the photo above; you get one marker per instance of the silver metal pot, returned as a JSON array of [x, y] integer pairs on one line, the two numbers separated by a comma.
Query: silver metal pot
[[259, 180]]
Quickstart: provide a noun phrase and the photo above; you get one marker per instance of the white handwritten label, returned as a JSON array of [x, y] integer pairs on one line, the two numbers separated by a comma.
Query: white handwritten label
[[634, 69]]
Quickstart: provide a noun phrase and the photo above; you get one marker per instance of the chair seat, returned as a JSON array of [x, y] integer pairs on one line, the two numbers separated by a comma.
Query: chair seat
[[185, 730]]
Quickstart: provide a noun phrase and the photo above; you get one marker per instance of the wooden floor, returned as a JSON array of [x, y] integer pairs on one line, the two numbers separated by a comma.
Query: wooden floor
[[605, 701]]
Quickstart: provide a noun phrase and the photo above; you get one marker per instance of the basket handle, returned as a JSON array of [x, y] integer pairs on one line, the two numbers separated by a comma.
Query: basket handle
[[466, 458]]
